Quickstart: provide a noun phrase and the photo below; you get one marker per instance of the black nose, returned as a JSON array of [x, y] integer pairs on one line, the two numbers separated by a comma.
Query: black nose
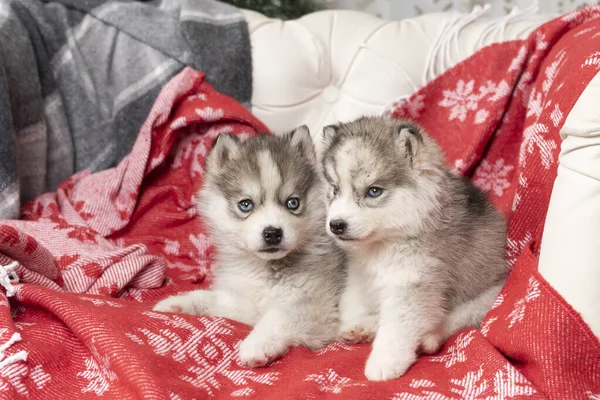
[[272, 235], [338, 226]]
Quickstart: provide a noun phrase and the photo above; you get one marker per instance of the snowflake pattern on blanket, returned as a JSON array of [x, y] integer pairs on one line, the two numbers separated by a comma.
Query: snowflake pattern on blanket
[[93, 257]]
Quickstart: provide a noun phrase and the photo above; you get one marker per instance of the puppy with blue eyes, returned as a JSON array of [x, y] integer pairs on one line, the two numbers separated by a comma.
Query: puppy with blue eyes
[[276, 268], [425, 248]]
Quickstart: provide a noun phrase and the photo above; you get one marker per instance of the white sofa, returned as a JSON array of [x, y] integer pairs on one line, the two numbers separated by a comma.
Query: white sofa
[[337, 65]]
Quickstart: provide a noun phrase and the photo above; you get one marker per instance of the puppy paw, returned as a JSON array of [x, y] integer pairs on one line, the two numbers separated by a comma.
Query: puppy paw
[[358, 334], [386, 365], [431, 343], [190, 303], [255, 354], [360, 331]]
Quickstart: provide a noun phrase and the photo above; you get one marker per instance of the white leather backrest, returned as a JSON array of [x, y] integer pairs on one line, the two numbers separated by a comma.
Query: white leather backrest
[[314, 71], [570, 254]]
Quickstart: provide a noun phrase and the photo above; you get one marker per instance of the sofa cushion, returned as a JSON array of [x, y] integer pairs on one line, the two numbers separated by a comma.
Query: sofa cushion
[[337, 65]]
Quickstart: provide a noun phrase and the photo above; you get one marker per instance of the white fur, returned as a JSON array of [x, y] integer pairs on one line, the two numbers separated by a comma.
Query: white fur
[[424, 259], [290, 297]]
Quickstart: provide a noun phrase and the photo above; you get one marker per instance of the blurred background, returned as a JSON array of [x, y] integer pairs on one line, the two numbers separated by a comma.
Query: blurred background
[[398, 9]]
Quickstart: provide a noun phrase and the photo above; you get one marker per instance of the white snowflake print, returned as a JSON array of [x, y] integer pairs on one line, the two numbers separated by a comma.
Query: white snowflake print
[[470, 386], [534, 106], [494, 92], [533, 136], [580, 16], [517, 62], [460, 100], [39, 376], [201, 96], [171, 247], [592, 396], [481, 116], [518, 312], [331, 382], [593, 60], [202, 243], [97, 373], [510, 384], [190, 272], [517, 199], [192, 148], [12, 376], [13, 369], [540, 41], [205, 352], [101, 302], [552, 70], [421, 383], [461, 165], [464, 99], [514, 248], [556, 116], [493, 177], [498, 302], [210, 114], [412, 396], [411, 106], [524, 85], [335, 346], [485, 327], [179, 123], [456, 352], [243, 392]]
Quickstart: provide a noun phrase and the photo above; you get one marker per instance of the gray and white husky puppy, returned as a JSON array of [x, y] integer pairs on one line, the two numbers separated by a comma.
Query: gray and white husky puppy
[[276, 268], [426, 250]]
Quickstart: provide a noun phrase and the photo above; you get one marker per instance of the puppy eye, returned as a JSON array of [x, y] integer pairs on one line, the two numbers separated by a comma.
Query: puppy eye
[[246, 205], [374, 191], [292, 203], [336, 190]]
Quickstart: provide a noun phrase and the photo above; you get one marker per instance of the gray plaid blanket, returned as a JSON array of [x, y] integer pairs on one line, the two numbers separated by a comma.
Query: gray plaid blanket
[[78, 78]]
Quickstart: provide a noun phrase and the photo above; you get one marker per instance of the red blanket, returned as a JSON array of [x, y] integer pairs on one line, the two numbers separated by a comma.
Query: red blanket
[[91, 259]]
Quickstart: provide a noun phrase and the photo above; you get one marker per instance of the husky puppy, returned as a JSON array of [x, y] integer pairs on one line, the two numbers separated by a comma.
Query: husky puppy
[[276, 268], [426, 250]]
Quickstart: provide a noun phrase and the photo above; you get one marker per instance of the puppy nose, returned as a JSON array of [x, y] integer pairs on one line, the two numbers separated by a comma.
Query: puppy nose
[[272, 235], [338, 226]]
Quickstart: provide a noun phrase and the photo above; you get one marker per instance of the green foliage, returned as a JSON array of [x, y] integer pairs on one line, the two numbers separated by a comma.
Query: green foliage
[[283, 9]]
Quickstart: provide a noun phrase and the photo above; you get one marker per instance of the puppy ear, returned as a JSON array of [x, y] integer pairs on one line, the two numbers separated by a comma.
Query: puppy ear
[[411, 140], [300, 139], [224, 149], [329, 132]]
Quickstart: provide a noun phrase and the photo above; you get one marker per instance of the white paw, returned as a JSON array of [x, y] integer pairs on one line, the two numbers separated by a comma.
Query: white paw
[[387, 364], [359, 331], [189, 303], [255, 353], [431, 343]]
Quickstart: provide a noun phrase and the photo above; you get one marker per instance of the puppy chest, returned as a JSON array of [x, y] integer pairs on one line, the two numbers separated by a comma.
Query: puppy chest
[[399, 264]]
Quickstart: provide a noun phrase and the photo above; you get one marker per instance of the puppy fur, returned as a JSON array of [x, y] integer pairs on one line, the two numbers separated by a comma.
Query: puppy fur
[[287, 289], [426, 250]]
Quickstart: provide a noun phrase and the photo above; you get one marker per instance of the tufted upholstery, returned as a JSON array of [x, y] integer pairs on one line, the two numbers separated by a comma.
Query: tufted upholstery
[[314, 70]]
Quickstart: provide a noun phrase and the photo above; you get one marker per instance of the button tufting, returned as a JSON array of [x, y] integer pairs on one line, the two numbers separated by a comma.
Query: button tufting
[[331, 94]]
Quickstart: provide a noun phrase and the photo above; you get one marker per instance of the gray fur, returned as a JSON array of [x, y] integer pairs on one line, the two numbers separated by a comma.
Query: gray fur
[[291, 297], [429, 251]]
